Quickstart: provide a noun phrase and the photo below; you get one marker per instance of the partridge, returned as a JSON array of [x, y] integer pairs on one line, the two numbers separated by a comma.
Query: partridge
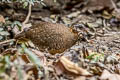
[[54, 37]]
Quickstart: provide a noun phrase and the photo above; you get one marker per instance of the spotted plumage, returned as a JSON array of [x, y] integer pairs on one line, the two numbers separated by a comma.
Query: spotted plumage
[[56, 38]]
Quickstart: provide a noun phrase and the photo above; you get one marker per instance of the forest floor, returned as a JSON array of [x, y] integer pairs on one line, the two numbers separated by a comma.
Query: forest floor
[[96, 56]]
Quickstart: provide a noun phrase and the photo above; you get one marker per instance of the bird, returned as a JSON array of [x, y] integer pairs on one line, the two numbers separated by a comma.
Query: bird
[[54, 37]]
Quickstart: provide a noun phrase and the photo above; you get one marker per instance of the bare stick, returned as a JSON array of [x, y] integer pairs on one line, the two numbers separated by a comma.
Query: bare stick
[[7, 41], [115, 7], [24, 22], [28, 16]]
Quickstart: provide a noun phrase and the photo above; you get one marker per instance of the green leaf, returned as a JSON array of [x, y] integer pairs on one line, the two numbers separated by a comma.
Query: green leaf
[[1, 37], [7, 60], [34, 59], [19, 72], [4, 33], [25, 4], [16, 24], [1, 29]]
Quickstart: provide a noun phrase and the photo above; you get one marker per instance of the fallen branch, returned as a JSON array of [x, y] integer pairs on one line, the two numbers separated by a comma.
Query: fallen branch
[[7, 41], [28, 16]]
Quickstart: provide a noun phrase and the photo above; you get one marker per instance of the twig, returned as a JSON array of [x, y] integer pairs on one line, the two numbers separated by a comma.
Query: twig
[[28, 16], [7, 41], [115, 7]]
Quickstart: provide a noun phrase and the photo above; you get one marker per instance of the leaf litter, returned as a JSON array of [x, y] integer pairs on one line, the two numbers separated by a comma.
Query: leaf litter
[[96, 56]]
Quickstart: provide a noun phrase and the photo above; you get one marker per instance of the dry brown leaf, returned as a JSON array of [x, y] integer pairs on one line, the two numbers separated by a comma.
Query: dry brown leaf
[[65, 65], [25, 58], [16, 30], [2, 19], [18, 62], [106, 15], [39, 54], [23, 28], [106, 75], [11, 51], [93, 5], [31, 69], [80, 78]]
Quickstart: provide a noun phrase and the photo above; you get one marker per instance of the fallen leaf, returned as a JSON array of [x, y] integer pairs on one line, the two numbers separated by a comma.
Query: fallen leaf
[[73, 14], [93, 5], [65, 65], [80, 78], [2, 19], [106, 75], [39, 55], [106, 15], [95, 56], [16, 30], [25, 58]]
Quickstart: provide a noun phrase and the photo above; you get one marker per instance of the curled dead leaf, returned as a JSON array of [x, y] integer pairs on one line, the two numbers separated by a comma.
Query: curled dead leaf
[[106, 75], [25, 58], [93, 5], [80, 78], [65, 65], [39, 54], [2, 19]]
